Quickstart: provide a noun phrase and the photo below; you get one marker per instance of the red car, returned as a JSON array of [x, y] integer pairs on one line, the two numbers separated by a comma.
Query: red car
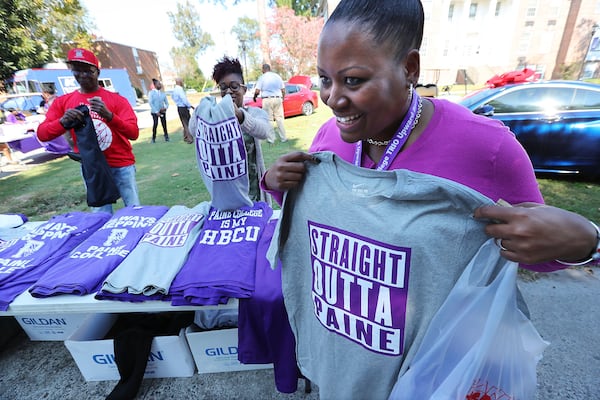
[[299, 99]]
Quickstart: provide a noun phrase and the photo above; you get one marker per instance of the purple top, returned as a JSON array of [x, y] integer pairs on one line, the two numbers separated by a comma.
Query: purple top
[[476, 151]]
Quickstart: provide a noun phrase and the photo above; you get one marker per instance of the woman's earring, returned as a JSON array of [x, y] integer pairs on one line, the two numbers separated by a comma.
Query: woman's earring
[[410, 90]]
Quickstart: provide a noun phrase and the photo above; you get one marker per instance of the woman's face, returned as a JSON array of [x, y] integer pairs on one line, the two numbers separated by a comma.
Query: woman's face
[[361, 82], [233, 80]]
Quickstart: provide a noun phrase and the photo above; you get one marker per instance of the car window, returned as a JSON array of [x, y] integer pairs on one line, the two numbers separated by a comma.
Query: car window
[[291, 89], [586, 100], [533, 99]]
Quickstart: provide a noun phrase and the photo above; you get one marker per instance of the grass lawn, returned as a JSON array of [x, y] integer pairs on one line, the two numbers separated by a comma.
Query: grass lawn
[[167, 174]]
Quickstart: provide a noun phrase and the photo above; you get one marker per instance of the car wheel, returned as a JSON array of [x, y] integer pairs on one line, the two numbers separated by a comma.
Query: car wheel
[[307, 108]]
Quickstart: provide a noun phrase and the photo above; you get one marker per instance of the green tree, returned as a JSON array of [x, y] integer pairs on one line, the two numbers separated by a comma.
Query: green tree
[[19, 48], [300, 7], [293, 55], [247, 34], [64, 21], [187, 67], [32, 31], [194, 42], [307, 8]]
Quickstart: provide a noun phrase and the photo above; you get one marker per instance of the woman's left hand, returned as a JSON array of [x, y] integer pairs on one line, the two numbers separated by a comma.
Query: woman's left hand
[[531, 233]]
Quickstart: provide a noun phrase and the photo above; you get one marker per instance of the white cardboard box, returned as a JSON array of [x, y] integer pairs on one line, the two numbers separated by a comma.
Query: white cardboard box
[[55, 326], [169, 357], [216, 350]]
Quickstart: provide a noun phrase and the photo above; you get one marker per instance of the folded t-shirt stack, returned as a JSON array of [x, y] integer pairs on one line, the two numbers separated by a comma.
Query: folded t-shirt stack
[[222, 264], [28, 258], [147, 272], [86, 267]]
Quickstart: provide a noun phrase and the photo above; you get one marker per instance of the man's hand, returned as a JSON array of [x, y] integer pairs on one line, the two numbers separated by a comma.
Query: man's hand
[[70, 116], [98, 106]]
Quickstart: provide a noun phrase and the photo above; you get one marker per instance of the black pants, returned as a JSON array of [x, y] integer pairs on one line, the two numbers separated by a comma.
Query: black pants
[[184, 115], [163, 122]]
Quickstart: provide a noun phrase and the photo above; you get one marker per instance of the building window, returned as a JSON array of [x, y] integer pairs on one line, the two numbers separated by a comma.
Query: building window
[[473, 10], [531, 12], [528, 23], [446, 48], [497, 12], [450, 12], [551, 22], [524, 42], [545, 42], [136, 58], [107, 84]]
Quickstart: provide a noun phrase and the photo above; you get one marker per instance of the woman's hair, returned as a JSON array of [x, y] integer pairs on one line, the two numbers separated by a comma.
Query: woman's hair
[[227, 66], [397, 23]]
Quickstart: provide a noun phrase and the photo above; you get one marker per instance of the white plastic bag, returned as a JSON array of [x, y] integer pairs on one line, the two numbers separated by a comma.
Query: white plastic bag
[[479, 345]]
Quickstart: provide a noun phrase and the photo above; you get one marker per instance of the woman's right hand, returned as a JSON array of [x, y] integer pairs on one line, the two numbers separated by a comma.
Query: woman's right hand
[[287, 171]]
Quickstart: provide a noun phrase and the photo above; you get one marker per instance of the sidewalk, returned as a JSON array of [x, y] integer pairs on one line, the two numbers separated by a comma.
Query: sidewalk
[[28, 161], [563, 305], [145, 118], [46, 370]]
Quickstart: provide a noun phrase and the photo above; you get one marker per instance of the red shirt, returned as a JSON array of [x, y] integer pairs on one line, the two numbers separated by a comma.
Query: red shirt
[[113, 136]]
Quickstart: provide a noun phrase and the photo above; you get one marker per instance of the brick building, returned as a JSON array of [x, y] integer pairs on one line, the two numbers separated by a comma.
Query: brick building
[[482, 38], [141, 65]]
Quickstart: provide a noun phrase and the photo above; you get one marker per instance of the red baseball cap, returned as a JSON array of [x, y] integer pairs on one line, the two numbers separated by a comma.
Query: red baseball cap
[[82, 56]]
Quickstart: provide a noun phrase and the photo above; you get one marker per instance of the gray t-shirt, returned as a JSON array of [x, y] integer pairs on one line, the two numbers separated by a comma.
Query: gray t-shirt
[[368, 258], [153, 264], [221, 153]]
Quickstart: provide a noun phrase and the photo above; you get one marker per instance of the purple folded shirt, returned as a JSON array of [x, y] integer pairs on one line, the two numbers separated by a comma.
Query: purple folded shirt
[[84, 269]]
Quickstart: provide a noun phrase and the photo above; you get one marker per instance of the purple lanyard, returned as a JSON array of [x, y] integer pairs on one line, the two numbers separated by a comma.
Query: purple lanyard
[[400, 137]]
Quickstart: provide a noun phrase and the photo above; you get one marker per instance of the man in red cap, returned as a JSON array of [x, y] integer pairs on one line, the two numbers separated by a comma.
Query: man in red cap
[[113, 117]]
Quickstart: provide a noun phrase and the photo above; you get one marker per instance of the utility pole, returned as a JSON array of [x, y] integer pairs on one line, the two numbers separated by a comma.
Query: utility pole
[[244, 49]]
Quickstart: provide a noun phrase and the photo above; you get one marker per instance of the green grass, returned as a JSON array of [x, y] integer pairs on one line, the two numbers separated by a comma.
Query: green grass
[[167, 174]]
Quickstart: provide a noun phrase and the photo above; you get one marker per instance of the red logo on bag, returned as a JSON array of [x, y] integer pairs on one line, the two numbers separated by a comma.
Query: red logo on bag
[[478, 396], [482, 391]]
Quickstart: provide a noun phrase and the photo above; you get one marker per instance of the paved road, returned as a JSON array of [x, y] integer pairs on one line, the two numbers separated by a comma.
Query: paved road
[[565, 308], [563, 305], [145, 118]]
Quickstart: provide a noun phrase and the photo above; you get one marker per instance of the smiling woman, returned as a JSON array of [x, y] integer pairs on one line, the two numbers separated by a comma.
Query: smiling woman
[[388, 146]]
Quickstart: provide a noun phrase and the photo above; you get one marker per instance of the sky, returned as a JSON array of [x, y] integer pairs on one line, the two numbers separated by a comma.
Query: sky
[[144, 24]]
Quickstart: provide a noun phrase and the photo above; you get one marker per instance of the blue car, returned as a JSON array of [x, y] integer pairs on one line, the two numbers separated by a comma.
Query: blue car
[[557, 122]]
